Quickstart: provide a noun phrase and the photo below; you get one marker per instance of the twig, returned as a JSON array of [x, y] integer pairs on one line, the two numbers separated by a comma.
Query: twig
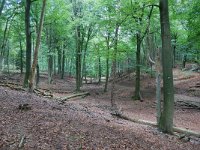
[[22, 141]]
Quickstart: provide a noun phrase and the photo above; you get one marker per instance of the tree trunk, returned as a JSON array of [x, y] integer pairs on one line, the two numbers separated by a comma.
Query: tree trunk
[[37, 75], [184, 60], [114, 65], [59, 60], [63, 64], [2, 6], [21, 56], [137, 78], [78, 58], [158, 85], [50, 68], [35, 60], [84, 71], [7, 60], [28, 42], [166, 119], [107, 62], [99, 67]]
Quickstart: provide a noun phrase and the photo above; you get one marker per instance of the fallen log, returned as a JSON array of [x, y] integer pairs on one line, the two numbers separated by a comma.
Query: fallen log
[[63, 99], [47, 94], [154, 124], [187, 103], [144, 122], [12, 86], [194, 89]]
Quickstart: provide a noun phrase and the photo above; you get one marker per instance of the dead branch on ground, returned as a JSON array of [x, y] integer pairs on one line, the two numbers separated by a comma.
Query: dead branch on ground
[[145, 122], [63, 99]]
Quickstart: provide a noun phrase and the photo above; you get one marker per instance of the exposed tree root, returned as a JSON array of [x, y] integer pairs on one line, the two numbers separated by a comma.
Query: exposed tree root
[[186, 132]]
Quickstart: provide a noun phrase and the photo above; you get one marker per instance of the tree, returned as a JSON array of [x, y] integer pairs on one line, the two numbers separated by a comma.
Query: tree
[[166, 118], [35, 60], [28, 41]]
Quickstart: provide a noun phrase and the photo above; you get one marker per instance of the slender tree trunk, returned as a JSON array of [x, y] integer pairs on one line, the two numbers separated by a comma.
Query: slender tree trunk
[[21, 56], [184, 60], [70, 67], [158, 85], [78, 59], [37, 75], [4, 42], [54, 63], [89, 33], [107, 62], [114, 65], [2, 6], [59, 60], [50, 68], [137, 78], [35, 60], [50, 55], [174, 56], [166, 119], [28, 42], [8, 59], [99, 67], [63, 64]]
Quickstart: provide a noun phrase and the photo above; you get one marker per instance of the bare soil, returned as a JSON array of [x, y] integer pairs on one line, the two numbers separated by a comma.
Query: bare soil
[[87, 123]]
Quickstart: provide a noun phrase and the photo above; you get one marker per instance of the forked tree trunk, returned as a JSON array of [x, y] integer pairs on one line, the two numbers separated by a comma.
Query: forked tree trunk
[[35, 60], [166, 119], [84, 70]]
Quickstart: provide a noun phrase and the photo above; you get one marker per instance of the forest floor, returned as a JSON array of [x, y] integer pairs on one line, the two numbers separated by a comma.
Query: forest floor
[[86, 122]]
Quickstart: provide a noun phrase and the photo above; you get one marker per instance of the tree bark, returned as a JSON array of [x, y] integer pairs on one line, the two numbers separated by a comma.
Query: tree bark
[[2, 6], [137, 78], [158, 86], [63, 64], [28, 42], [84, 72], [37, 75], [114, 65], [59, 50], [184, 60], [107, 61], [21, 56], [35, 60], [99, 67], [78, 58], [166, 119]]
